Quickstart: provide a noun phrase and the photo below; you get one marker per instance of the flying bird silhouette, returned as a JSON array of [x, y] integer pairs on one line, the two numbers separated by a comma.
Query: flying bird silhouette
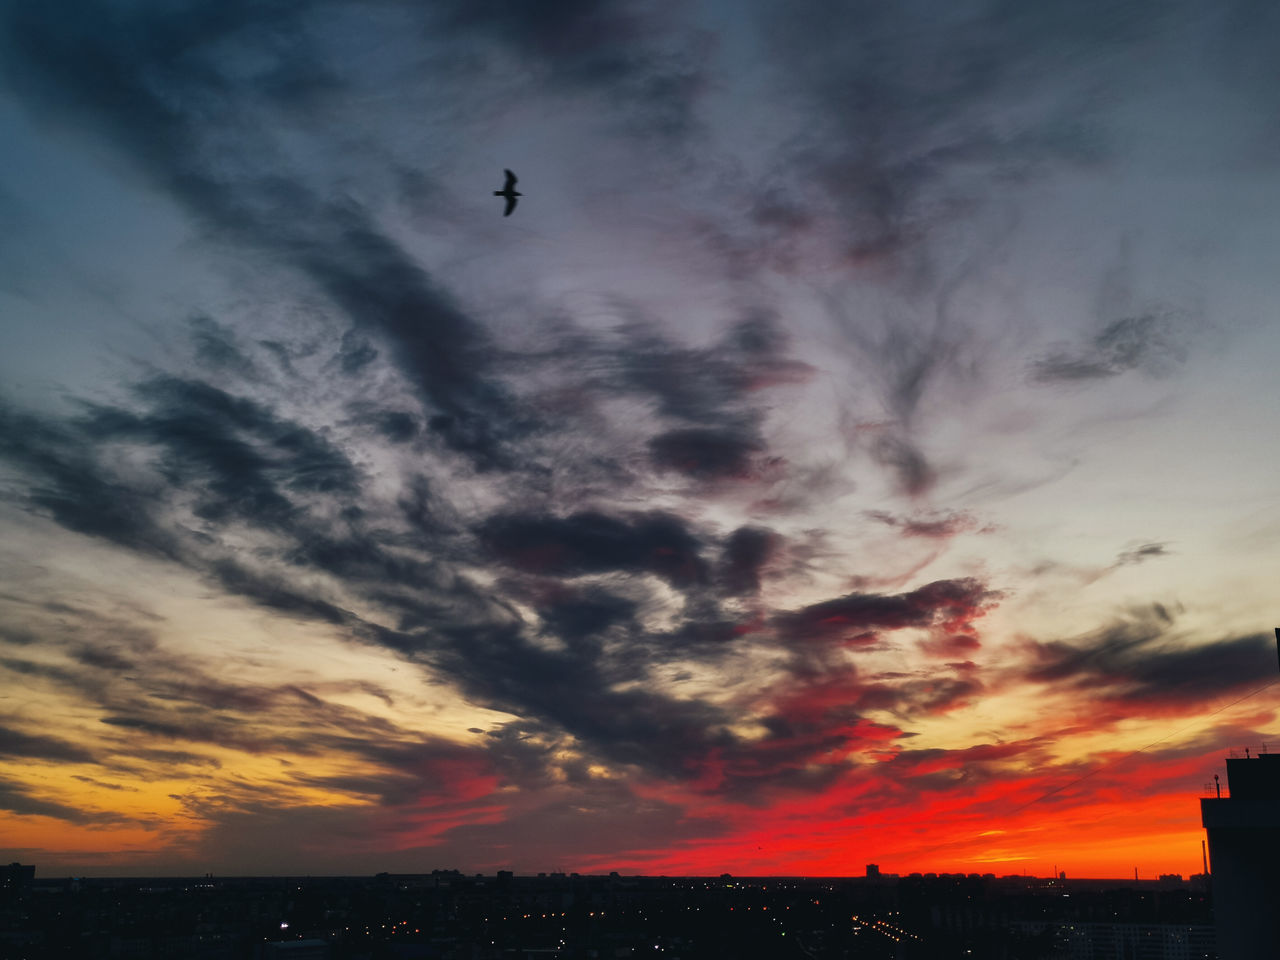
[[510, 192]]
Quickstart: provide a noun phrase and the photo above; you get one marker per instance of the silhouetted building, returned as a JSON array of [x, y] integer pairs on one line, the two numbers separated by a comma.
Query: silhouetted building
[[873, 871], [1133, 941], [17, 876], [1244, 851], [310, 949]]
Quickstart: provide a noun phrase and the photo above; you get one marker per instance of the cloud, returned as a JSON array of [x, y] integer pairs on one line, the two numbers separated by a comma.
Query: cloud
[[112, 65], [216, 349], [20, 799], [206, 464], [906, 462], [585, 694], [615, 52], [941, 526], [105, 785], [705, 454], [1139, 554], [746, 555], [908, 129], [582, 543], [950, 604], [1139, 663], [1152, 343], [401, 465], [15, 743], [574, 616]]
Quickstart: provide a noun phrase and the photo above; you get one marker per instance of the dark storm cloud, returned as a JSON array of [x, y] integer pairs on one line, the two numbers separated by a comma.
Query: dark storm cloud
[[948, 603], [166, 731], [233, 448], [46, 671], [705, 387], [488, 651], [440, 349], [746, 552], [576, 691], [102, 659], [588, 542], [214, 464], [1140, 663], [709, 401], [228, 460], [705, 454], [1152, 343], [396, 425], [70, 488], [578, 616], [32, 746], [231, 455], [173, 87], [240, 461], [128, 73]]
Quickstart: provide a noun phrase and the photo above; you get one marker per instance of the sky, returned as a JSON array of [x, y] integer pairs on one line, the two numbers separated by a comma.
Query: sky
[[857, 446]]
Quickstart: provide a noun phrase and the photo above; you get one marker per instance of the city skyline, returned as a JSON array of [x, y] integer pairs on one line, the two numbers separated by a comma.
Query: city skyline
[[858, 446]]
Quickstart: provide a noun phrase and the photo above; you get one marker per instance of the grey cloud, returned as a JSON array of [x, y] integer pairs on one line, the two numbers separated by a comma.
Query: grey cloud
[[904, 459], [614, 51], [917, 111], [397, 426], [31, 668], [105, 785], [1139, 554], [217, 350], [109, 65], [705, 454], [582, 543], [1139, 663], [290, 483], [573, 690], [746, 553], [950, 602], [19, 799], [16, 743], [1152, 343], [939, 526]]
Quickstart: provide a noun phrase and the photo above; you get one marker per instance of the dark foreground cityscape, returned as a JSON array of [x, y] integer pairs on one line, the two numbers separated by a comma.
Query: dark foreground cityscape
[[445, 915], [448, 915]]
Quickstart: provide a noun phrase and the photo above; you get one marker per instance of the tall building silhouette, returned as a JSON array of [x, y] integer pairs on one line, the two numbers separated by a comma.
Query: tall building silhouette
[[1244, 858]]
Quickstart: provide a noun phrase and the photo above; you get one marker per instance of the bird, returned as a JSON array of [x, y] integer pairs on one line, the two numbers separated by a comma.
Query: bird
[[510, 192]]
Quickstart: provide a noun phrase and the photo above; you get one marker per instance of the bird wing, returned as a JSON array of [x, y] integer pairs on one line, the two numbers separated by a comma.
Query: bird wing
[[511, 205], [511, 179]]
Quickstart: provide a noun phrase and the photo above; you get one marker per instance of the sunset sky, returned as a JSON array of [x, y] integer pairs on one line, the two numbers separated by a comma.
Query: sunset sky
[[859, 440]]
